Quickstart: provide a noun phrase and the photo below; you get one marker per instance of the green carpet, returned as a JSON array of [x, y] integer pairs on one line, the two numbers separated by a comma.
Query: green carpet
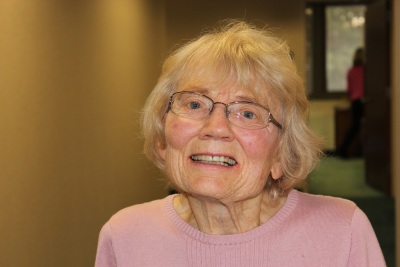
[[342, 178]]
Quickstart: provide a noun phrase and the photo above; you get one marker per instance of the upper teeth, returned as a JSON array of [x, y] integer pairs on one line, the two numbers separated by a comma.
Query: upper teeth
[[221, 160]]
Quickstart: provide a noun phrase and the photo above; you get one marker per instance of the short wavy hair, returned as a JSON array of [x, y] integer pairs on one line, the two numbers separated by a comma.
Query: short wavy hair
[[258, 61]]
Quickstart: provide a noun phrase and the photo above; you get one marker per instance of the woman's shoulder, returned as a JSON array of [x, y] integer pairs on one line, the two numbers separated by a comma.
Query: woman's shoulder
[[325, 200], [139, 214], [328, 207]]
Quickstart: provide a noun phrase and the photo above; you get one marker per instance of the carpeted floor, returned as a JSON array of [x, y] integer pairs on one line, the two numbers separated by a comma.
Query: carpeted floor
[[345, 178], [342, 178]]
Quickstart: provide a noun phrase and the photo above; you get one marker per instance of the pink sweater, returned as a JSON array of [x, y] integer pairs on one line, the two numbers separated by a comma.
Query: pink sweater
[[309, 230]]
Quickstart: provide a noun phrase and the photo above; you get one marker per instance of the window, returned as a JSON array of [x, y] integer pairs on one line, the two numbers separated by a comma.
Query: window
[[344, 34], [334, 32]]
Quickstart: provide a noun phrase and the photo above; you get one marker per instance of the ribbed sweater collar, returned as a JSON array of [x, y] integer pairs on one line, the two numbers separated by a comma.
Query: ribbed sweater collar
[[186, 229]]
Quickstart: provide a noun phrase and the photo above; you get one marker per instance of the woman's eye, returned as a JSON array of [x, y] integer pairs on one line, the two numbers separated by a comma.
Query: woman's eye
[[249, 115], [194, 105]]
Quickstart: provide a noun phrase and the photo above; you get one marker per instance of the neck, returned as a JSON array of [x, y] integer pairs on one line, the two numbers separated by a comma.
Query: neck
[[214, 217]]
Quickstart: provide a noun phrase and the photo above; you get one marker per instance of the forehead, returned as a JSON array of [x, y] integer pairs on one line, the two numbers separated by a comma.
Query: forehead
[[219, 91]]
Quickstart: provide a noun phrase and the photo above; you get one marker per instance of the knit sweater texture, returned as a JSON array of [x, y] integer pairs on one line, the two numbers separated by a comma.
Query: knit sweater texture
[[309, 230]]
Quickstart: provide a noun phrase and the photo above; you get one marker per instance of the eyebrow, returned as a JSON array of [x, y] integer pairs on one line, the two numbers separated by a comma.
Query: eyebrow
[[195, 89], [206, 91], [247, 99]]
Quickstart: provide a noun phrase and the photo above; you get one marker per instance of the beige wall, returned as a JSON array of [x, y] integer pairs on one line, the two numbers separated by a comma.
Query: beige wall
[[73, 78]]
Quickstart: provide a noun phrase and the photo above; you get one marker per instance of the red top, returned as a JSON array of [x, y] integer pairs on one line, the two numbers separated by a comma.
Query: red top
[[355, 82]]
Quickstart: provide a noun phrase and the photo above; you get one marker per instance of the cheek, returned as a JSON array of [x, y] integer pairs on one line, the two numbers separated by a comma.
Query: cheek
[[259, 146], [178, 132]]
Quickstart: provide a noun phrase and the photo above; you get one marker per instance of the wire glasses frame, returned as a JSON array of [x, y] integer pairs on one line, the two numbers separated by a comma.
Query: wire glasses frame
[[245, 114]]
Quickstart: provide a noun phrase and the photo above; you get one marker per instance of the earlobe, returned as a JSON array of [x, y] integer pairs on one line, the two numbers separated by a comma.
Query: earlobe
[[276, 171], [161, 150]]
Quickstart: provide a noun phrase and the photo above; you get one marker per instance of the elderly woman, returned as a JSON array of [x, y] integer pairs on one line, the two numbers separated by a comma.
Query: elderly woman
[[227, 123]]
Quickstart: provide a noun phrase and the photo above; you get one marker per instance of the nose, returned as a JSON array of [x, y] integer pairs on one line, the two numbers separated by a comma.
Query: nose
[[216, 125]]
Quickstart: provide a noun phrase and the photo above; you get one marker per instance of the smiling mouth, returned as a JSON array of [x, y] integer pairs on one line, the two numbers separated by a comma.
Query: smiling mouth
[[216, 160]]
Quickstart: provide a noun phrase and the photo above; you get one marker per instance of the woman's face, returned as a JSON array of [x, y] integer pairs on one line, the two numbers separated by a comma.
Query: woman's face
[[190, 143]]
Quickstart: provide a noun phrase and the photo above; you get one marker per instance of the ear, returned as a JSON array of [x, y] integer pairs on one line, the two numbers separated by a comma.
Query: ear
[[161, 150], [276, 171]]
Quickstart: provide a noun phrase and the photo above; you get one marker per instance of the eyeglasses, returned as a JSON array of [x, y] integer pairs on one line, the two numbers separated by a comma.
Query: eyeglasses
[[245, 114]]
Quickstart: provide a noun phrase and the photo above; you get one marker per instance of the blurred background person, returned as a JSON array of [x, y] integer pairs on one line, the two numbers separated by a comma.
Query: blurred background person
[[355, 91]]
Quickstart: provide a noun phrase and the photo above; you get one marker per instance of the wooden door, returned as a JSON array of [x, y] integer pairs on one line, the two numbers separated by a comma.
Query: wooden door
[[377, 109]]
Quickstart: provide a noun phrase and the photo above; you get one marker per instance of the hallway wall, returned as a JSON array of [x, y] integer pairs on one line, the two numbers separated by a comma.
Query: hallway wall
[[73, 78]]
